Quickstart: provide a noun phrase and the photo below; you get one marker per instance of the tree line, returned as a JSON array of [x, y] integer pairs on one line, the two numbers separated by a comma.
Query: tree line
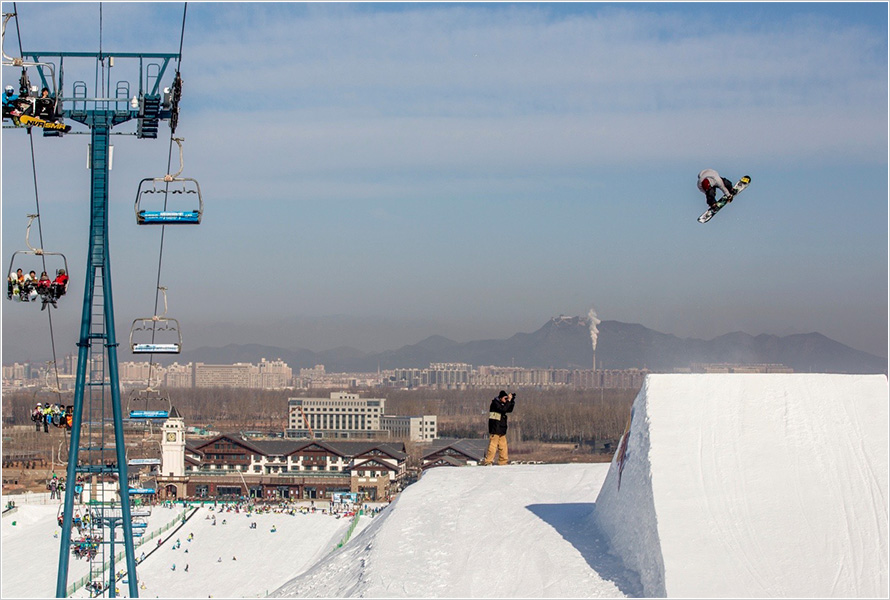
[[546, 415]]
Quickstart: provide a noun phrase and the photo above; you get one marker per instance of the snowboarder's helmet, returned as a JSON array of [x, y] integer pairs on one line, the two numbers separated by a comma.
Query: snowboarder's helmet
[[706, 184], [9, 90]]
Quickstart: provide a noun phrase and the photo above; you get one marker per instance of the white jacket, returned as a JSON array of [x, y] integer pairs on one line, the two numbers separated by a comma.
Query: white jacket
[[715, 179]]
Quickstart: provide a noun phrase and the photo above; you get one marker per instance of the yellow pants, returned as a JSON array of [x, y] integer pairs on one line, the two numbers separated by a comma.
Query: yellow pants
[[497, 443]]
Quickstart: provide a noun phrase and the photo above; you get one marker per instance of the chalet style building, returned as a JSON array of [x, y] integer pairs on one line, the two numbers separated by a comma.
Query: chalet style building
[[454, 453], [229, 465]]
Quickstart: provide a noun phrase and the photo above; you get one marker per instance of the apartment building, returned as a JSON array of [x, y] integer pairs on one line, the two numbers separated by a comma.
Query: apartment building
[[416, 429], [180, 376], [237, 375], [443, 376], [266, 375]]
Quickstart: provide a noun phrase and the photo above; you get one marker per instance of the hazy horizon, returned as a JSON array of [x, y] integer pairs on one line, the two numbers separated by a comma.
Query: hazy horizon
[[331, 332], [374, 174]]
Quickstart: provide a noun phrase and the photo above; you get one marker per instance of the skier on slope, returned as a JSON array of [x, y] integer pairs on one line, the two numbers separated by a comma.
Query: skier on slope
[[709, 181]]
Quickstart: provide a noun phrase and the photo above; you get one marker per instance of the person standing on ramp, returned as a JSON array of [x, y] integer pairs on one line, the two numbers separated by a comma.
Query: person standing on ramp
[[497, 427]]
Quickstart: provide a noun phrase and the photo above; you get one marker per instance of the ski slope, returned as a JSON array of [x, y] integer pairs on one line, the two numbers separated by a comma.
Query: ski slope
[[730, 486], [265, 560], [30, 548], [754, 486]]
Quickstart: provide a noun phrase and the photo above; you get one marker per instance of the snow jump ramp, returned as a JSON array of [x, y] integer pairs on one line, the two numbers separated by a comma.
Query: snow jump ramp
[[750, 485]]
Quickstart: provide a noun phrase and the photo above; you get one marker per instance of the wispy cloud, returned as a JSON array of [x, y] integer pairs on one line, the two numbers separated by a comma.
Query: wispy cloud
[[410, 133]]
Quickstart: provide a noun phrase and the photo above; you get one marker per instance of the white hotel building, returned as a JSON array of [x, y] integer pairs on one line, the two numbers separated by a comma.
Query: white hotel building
[[348, 416], [341, 416]]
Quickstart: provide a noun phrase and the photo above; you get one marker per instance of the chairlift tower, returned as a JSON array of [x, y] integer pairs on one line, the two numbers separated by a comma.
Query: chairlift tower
[[97, 385]]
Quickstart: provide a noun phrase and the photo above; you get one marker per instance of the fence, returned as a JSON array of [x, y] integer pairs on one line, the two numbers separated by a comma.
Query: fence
[[178, 521], [351, 529]]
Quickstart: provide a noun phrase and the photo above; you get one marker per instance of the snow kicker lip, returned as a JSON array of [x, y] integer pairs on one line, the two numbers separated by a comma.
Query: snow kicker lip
[[741, 485]]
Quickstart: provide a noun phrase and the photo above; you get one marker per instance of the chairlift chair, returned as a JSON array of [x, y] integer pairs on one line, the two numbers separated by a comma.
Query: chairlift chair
[[16, 262], [25, 84], [168, 328], [169, 187], [148, 455], [149, 404]]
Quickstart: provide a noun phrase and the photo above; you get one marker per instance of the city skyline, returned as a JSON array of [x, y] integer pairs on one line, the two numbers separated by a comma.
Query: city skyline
[[376, 174]]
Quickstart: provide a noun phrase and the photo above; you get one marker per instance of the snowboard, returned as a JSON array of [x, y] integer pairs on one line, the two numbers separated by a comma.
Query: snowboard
[[713, 210], [28, 121]]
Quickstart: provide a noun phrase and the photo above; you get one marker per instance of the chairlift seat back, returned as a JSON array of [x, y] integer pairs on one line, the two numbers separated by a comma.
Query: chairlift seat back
[[156, 349], [149, 414], [136, 462], [167, 217], [160, 214]]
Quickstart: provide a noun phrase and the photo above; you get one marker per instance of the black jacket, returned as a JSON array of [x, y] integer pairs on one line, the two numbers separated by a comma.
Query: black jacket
[[497, 416]]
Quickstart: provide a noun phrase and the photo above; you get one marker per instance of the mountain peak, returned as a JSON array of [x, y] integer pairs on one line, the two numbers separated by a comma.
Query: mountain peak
[[563, 342]]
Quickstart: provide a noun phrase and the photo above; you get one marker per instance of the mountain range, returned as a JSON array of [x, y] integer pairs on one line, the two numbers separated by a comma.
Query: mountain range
[[565, 343]]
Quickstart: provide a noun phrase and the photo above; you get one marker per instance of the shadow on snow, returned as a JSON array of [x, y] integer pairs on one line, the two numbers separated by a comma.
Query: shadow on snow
[[575, 523]]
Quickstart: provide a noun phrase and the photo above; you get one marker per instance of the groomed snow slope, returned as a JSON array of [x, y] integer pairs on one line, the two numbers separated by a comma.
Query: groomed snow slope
[[517, 531], [265, 560], [753, 486]]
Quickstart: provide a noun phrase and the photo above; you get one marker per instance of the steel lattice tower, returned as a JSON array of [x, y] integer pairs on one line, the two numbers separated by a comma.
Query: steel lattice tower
[[97, 460]]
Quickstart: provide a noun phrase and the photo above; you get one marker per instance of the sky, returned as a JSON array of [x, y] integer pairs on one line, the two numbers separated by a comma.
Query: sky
[[373, 174]]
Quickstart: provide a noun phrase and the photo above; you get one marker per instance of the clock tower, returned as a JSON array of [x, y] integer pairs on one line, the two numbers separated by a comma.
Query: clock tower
[[173, 445]]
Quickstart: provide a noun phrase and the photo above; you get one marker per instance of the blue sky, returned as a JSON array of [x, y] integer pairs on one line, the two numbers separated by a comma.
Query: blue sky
[[377, 173]]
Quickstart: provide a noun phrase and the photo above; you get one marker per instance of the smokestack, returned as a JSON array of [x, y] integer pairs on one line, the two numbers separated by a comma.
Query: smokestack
[[594, 332]]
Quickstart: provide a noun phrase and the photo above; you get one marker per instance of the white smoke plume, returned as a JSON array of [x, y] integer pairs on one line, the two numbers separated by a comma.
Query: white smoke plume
[[594, 321]]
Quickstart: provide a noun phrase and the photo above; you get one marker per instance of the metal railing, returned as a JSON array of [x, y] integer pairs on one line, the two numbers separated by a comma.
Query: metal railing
[[178, 520]]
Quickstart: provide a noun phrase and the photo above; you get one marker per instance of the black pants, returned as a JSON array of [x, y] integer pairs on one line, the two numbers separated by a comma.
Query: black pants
[[711, 194]]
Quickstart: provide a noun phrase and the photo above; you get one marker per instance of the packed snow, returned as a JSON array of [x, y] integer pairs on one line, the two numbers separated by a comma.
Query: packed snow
[[228, 559], [730, 486], [744, 485], [479, 532]]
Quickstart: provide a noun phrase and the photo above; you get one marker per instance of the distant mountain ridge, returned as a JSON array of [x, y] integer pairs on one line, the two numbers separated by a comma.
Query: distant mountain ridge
[[564, 343]]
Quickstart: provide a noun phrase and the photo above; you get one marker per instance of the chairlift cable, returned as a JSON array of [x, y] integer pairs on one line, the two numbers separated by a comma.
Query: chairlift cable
[[49, 314], [185, 7], [166, 196], [17, 30]]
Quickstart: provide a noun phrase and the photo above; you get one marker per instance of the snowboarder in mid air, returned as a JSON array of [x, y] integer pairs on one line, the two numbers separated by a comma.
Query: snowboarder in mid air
[[709, 181]]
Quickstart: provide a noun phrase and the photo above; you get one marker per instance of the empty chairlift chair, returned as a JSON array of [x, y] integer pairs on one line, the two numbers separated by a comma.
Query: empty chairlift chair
[[169, 200], [157, 334], [149, 404], [145, 332]]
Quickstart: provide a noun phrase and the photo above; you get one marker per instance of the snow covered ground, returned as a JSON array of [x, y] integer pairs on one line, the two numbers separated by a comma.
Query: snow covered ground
[[731, 486], [265, 560], [743, 485], [517, 531], [30, 549]]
